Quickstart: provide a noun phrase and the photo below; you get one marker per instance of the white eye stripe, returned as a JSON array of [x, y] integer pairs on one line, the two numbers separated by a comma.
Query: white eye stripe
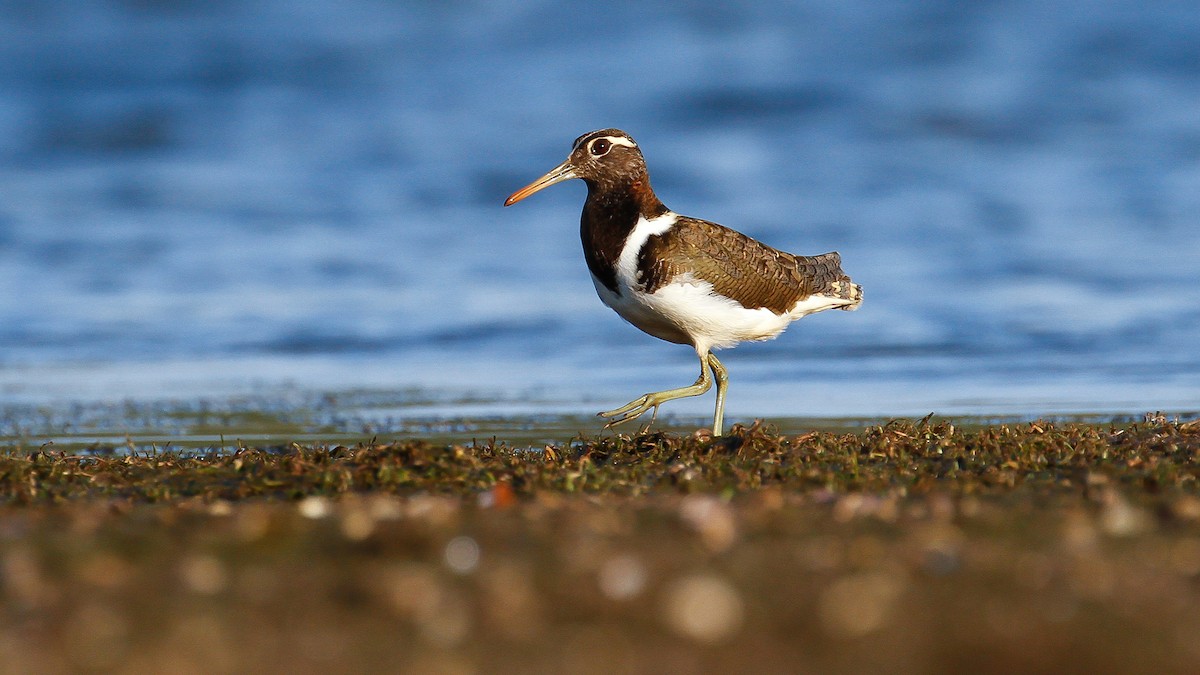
[[620, 140], [615, 140]]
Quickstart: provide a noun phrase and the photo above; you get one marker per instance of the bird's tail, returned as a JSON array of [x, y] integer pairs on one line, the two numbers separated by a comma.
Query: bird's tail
[[851, 291], [839, 284]]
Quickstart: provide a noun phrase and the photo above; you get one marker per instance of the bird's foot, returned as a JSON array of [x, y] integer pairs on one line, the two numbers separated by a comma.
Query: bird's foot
[[633, 410], [639, 406]]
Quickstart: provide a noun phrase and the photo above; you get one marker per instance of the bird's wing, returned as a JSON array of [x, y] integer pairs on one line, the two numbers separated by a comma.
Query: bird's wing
[[747, 271]]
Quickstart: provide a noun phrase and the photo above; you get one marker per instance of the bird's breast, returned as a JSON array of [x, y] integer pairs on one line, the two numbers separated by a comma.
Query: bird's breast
[[628, 296]]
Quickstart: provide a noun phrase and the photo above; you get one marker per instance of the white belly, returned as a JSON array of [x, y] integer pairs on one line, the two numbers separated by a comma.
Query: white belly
[[688, 312]]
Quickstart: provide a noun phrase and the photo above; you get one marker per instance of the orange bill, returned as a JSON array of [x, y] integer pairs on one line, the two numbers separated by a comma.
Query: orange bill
[[558, 174]]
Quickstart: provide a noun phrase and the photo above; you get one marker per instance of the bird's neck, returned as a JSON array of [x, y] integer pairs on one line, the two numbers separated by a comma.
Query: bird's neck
[[610, 214]]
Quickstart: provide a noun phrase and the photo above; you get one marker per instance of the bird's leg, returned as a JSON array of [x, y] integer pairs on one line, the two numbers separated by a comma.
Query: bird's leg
[[722, 377], [639, 406]]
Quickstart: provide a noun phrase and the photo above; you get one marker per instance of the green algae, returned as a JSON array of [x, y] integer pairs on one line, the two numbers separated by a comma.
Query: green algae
[[899, 455]]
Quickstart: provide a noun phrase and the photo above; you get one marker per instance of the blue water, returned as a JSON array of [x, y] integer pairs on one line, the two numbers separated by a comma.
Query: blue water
[[208, 199]]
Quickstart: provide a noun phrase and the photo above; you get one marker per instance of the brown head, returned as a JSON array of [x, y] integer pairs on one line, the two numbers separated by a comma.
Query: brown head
[[606, 160]]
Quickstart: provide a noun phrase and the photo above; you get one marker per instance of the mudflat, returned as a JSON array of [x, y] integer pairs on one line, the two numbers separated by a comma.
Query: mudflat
[[911, 546]]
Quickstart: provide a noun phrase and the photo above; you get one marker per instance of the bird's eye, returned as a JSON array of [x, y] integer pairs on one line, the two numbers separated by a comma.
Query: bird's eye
[[600, 146]]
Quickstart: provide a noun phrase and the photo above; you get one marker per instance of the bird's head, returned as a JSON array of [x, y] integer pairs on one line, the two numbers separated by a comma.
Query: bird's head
[[604, 159]]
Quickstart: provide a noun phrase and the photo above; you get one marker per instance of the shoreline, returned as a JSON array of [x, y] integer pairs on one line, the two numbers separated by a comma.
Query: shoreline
[[365, 417]]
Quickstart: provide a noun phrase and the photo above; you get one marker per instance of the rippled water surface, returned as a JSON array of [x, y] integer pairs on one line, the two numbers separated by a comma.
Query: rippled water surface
[[278, 199]]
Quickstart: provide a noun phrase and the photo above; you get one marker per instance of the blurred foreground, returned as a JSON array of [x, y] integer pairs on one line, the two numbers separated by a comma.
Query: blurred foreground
[[903, 548]]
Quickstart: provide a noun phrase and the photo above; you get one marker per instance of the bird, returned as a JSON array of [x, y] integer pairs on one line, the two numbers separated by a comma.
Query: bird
[[682, 279]]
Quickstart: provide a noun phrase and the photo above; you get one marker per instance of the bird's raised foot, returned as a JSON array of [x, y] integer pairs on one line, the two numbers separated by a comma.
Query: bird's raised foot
[[633, 410], [639, 406]]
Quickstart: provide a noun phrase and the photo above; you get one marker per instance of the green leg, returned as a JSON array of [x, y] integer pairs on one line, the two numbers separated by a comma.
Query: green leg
[[722, 376], [639, 406]]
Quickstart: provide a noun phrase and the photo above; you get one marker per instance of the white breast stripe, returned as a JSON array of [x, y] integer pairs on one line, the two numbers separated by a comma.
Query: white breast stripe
[[643, 230]]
